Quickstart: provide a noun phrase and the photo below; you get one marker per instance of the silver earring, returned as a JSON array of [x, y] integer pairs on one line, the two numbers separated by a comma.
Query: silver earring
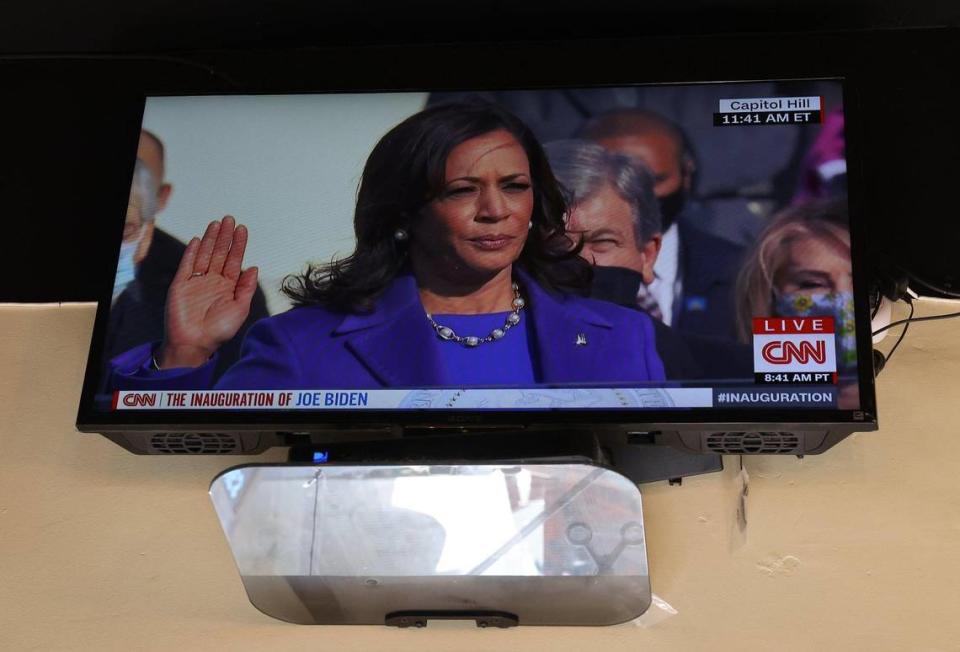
[[400, 235], [529, 225]]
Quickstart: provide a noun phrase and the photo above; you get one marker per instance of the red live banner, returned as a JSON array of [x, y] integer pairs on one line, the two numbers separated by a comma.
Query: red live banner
[[792, 325]]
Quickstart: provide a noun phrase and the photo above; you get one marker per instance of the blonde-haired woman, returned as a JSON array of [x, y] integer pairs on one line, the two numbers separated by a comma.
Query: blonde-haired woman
[[800, 267]]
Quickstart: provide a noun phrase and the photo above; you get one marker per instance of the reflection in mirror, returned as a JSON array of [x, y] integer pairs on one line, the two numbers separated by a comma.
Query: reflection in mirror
[[551, 543]]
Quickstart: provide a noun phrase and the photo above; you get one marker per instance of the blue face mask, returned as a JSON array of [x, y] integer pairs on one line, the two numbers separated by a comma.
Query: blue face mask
[[126, 268], [838, 305]]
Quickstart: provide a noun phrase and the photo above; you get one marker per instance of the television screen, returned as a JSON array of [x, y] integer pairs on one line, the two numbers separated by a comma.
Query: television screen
[[682, 249]]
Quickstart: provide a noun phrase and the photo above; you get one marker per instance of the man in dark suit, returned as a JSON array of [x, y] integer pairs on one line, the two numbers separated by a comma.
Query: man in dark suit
[[685, 356], [614, 212], [695, 270], [145, 273]]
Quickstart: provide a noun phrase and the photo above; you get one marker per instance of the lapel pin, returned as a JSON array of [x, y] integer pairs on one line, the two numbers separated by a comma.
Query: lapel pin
[[581, 339]]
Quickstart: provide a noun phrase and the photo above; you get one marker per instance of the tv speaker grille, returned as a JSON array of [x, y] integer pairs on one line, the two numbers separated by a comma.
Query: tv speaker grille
[[194, 443], [754, 443]]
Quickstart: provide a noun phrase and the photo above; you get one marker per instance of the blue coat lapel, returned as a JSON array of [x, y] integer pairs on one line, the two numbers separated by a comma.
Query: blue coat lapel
[[396, 344], [395, 341], [557, 326]]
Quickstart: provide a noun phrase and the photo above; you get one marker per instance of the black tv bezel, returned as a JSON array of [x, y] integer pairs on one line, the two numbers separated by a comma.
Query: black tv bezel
[[90, 419]]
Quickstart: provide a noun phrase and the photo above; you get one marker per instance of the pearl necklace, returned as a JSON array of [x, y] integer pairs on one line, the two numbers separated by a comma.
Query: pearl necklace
[[447, 333]]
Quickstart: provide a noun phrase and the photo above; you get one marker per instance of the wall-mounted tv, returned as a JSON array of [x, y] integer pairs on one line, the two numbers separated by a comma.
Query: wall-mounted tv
[[680, 261]]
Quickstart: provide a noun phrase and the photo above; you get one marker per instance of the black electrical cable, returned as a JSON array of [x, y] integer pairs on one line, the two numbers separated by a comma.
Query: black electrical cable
[[906, 327], [877, 302], [948, 315], [933, 286]]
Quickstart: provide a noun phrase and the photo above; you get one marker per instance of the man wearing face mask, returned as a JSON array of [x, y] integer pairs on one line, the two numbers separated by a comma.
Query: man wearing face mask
[[148, 261], [613, 209], [695, 271], [137, 229]]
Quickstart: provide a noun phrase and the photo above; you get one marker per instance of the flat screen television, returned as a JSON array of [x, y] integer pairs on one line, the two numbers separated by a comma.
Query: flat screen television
[[679, 263]]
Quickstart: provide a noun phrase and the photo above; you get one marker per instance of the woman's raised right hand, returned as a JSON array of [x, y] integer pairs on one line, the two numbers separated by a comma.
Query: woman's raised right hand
[[209, 298]]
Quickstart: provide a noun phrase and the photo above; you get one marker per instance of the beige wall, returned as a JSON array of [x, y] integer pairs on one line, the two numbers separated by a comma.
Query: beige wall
[[858, 549]]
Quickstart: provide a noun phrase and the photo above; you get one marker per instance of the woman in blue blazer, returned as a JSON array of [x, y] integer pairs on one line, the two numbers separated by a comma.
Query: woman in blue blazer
[[463, 275]]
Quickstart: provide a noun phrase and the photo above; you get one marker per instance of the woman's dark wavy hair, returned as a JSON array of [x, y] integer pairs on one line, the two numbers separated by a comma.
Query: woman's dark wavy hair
[[404, 172]]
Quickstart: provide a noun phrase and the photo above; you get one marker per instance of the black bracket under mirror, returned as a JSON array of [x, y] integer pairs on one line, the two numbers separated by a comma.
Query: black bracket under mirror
[[500, 619]]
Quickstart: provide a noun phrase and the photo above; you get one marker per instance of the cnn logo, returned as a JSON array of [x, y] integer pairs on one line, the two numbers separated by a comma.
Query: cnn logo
[[788, 352], [794, 344], [138, 399]]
